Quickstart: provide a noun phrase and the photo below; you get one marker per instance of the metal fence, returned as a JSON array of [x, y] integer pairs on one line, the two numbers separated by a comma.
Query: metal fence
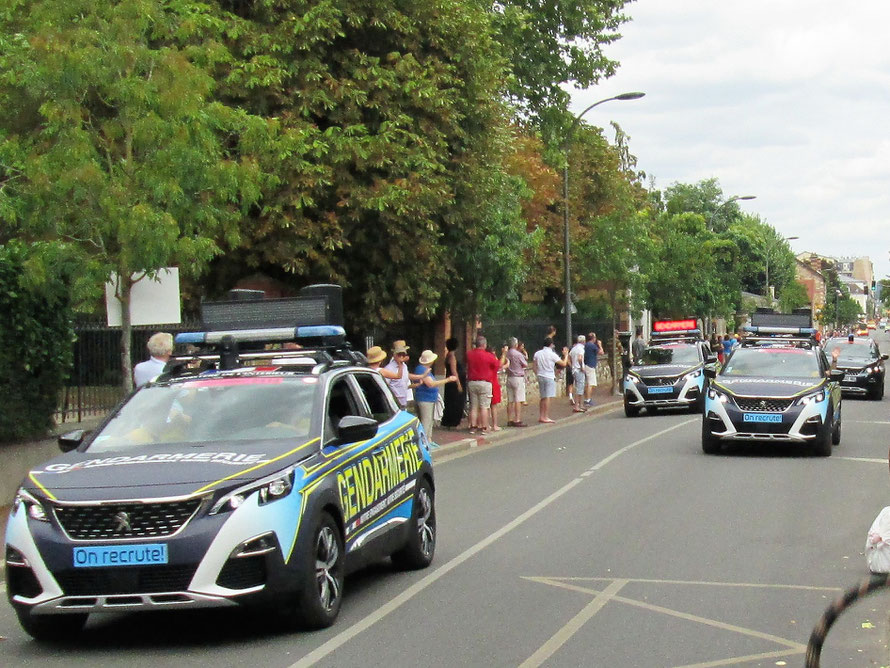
[[94, 385], [532, 332]]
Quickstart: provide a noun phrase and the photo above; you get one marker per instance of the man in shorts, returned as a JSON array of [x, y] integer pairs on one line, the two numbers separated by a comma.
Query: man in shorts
[[592, 351], [517, 363], [482, 366], [546, 360], [576, 361]]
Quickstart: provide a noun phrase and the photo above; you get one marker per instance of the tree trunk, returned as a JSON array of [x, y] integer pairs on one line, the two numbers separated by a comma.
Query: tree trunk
[[614, 344], [124, 288]]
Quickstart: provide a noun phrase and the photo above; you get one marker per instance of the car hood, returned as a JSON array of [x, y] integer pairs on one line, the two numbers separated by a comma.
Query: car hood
[[752, 386], [161, 470], [853, 362], [661, 370]]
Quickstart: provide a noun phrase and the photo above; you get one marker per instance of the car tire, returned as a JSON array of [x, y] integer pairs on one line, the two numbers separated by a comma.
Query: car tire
[[878, 393], [420, 548], [51, 628], [321, 579], [822, 445], [698, 406], [630, 411], [836, 433], [710, 444]]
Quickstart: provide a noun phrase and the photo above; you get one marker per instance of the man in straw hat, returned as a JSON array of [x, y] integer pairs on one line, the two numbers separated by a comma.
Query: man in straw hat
[[427, 393]]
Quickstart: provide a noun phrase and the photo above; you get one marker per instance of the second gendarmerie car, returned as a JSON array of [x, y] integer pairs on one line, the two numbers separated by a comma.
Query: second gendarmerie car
[[862, 363], [778, 387], [669, 373], [248, 476]]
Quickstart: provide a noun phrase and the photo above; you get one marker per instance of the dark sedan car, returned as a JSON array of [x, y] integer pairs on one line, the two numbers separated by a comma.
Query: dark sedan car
[[862, 363]]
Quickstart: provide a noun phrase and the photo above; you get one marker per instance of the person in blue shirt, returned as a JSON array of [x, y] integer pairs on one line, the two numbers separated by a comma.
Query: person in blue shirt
[[592, 351], [427, 392], [728, 345]]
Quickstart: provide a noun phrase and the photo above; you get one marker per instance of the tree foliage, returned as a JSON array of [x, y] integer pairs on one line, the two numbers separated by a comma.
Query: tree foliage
[[35, 350], [111, 139]]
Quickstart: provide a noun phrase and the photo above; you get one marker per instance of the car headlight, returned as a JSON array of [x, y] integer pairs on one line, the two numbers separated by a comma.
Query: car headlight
[[631, 379], [269, 489], [872, 369], [816, 397], [692, 374], [717, 396], [26, 500]]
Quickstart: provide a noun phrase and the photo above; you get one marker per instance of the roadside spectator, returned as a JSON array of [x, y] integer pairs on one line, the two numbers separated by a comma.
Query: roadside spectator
[[481, 366], [496, 391], [638, 347], [375, 356], [427, 393], [455, 393], [401, 385], [517, 363], [160, 348], [592, 351], [545, 362], [727, 347], [576, 364]]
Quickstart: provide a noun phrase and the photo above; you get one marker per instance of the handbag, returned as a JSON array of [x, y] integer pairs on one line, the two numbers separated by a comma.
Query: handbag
[[438, 409]]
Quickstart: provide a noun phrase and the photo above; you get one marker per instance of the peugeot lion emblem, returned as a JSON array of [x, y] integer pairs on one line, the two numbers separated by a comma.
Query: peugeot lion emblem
[[122, 522], [762, 406]]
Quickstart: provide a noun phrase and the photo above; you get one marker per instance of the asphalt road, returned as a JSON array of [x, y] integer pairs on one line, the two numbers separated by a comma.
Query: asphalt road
[[605, 542]]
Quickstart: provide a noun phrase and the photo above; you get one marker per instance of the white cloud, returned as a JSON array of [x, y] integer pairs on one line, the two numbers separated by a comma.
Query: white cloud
[[789, 101]]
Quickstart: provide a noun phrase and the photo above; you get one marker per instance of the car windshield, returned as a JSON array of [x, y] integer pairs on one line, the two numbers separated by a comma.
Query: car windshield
[[856, 350], [678, 353], [213, 409], [772, 363]]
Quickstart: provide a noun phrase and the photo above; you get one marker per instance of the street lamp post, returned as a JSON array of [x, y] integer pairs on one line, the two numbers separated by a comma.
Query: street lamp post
[[734, 198], [567, 278], [769, 251]]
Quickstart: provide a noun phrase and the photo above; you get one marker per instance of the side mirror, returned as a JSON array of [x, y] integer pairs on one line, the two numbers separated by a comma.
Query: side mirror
[[710, 370], [835, 375], [711, 359], [885, 356], [354, 428], [71, 440]]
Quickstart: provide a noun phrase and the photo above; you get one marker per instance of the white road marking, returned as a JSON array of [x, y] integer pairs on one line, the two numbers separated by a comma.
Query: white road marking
[[870, 460], [866, 422], [346, 635], [563, 635]]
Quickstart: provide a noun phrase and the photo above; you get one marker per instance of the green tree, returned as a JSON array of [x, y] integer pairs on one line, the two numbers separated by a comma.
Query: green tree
[[35, 350], [552, 45], [793, 295], [111, 139], [391, 137]]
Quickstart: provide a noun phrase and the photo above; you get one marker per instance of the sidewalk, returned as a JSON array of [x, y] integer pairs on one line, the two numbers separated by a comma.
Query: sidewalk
[[451, 440]]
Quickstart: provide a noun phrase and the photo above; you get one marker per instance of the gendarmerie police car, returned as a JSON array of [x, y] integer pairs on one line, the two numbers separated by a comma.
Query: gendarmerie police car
[[862, 364], [241, 475], [669, 374], [776, 387]]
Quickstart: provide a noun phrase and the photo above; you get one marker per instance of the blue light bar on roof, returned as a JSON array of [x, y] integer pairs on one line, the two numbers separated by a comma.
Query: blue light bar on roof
[[267, 334], [799, 331]]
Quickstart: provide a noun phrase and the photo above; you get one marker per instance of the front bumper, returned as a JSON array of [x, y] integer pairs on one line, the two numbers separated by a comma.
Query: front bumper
[[857, 382], [796, 424], [202, 569], [680, 393]]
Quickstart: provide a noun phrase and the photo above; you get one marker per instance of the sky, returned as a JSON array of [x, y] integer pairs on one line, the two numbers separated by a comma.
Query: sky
[[787, 100]]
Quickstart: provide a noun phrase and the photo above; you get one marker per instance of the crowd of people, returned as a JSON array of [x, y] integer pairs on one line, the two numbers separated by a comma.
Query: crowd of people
[[477, 383]]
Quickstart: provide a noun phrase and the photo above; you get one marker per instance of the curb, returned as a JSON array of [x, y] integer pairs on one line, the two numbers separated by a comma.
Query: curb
[[473, 442]]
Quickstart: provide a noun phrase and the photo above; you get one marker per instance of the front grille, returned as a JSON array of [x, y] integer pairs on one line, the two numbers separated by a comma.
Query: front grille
[[125, 580], [764, 405], [656, 382], [243, 572], [125, 520]]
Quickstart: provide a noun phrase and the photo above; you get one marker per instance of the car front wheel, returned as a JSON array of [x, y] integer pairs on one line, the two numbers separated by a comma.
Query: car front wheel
[[710, 445], [822, 445], [321, 591]]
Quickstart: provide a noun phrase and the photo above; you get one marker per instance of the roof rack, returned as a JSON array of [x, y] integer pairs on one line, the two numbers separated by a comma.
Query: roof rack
[[246, 331]]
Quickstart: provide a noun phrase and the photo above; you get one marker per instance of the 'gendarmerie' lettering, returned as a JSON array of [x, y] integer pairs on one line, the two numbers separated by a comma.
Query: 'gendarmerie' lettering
[[369, 479]]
